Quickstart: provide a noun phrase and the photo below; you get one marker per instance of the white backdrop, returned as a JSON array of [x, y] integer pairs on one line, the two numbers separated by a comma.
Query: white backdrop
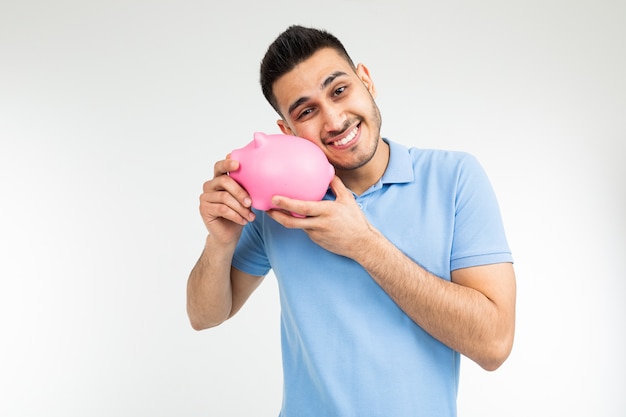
[[112, 114]]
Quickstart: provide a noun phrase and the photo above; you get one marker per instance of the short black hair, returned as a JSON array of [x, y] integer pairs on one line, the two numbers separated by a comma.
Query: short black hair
[[294, 45]]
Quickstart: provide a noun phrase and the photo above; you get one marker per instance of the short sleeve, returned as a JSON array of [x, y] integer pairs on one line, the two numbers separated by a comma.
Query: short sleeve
[[250, 256], [479, 236]]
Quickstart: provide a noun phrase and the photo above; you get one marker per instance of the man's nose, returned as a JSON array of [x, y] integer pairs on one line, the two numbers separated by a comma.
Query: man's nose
[[334, 119]]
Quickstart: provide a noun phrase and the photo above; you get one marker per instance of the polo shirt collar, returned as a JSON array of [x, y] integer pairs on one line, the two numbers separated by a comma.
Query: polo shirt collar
[[400, 166]]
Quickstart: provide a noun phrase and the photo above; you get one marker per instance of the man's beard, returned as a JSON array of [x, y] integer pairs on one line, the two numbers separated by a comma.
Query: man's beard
[[369, 154]]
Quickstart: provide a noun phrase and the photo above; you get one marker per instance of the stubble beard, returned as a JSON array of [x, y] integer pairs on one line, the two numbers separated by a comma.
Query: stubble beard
[[365, 156]]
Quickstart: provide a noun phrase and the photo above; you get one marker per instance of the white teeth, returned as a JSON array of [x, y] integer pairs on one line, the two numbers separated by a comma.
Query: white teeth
[[348, 138]]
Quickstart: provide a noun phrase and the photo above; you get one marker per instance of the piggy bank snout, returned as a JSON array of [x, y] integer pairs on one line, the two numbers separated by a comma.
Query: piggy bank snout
[[282, 165]]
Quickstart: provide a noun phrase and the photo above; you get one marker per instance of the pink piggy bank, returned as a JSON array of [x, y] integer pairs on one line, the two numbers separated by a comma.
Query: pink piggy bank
[[281, 165]]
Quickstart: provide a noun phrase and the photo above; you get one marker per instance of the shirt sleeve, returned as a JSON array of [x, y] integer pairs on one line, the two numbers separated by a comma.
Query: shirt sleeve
[[479, 236], [250, 256]]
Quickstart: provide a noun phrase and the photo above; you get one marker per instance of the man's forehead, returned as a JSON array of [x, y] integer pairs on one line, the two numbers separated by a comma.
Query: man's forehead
[[312, 75], [327, 82]]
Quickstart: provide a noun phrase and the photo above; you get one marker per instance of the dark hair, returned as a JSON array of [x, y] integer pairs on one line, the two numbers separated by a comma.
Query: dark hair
[[294, 45]]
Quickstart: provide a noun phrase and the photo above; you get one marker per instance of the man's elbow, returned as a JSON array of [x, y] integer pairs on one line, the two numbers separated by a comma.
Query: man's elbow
[[200, 321], [199, 325], [204, 324], [496, 354]]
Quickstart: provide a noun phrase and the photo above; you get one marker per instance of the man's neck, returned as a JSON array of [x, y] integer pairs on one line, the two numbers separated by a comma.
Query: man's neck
[[360, 180]]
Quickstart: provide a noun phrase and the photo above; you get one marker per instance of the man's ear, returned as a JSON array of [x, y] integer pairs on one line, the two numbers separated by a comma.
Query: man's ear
[[284, 127], [364, 75]]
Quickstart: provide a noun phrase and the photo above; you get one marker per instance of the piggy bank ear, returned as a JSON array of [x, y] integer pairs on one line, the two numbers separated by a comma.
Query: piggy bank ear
[[284, 127]]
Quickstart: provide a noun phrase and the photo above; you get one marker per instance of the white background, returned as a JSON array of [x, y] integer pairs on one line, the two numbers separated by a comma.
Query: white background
[[112, 114]]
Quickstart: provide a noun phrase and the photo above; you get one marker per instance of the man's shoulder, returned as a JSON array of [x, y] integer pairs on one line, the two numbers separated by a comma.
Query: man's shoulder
[[441, 158], [437, 154]]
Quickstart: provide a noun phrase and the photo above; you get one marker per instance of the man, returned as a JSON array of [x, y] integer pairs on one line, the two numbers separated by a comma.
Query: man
[[402, 267]]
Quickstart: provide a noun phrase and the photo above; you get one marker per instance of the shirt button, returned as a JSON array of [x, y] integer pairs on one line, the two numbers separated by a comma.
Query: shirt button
[[360, 206]]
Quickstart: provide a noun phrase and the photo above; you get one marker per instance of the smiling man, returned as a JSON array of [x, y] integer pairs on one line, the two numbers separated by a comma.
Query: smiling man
[[400, 269]]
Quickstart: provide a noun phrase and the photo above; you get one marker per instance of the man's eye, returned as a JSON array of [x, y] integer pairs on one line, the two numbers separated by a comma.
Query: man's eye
[[339, 91], [304, 113]]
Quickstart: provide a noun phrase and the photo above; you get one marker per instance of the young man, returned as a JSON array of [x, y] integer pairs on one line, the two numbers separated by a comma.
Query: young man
[[402, 267]]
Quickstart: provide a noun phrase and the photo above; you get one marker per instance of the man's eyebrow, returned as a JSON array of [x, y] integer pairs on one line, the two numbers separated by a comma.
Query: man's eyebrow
[[331, 78], [324, 84], [297, 103]]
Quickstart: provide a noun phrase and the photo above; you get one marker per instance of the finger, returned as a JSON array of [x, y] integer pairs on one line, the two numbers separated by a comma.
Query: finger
[[290, 205], [228, 184], [224, 204], [339, 189], [290, 220], [225, 190], [225, 166]]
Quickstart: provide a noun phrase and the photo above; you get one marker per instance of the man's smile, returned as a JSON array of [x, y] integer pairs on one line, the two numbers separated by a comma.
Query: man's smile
[[347, 138]]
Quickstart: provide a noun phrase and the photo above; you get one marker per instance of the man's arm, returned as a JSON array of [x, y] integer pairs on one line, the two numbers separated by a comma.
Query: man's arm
[[474, 314], [216, 290]]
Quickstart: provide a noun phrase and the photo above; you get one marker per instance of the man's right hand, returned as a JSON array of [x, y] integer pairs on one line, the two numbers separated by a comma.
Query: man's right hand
[[225, 206]]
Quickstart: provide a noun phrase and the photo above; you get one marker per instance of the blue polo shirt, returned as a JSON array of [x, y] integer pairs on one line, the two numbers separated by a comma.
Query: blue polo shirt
[[348, 350]]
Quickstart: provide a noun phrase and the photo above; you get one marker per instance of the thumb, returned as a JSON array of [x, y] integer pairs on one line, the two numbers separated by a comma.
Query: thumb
[[339, 189]]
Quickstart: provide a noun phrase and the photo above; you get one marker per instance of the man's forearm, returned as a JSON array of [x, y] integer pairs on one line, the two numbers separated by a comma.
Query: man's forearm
[[209, 290], [463, 318]]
